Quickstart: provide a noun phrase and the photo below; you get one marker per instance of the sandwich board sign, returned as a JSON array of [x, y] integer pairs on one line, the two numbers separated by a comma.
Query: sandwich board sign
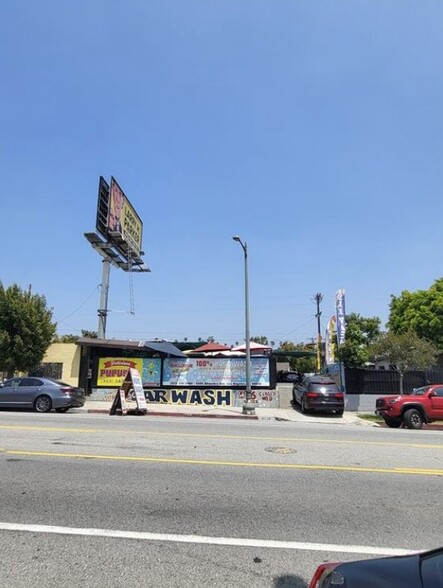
[[134, 381]]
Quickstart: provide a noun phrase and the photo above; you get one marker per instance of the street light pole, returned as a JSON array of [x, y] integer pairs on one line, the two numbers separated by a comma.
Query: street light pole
[[248, 407]]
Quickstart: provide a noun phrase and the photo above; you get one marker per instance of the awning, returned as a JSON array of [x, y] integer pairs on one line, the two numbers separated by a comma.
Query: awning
[[164, 347]]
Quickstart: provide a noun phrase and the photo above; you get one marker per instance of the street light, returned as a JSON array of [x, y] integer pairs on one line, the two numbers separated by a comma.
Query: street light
[[248, 407]]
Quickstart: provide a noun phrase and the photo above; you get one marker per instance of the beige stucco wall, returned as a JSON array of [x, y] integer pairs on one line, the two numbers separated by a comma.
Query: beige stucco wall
[[69, 355]]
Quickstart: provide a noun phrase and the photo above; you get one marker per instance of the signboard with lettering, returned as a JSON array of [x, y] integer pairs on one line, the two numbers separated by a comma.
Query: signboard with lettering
[[210, 397], [134, 378], [112, 370], [215, 371], [131, 382]]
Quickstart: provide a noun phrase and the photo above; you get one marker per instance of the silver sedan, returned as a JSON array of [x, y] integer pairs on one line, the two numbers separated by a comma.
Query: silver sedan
[[41, 394]]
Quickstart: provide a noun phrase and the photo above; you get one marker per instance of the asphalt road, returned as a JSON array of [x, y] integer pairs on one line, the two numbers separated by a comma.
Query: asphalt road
[[139, 501]]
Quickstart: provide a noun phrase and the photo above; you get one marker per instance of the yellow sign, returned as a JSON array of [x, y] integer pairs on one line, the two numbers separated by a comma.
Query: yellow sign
[[112, 370], [131, 228]]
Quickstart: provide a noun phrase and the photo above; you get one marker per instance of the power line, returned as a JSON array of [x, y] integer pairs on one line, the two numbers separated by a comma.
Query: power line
[[81, 305]]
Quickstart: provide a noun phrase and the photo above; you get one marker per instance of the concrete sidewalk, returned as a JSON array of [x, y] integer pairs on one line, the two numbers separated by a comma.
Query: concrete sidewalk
[[229, 412]]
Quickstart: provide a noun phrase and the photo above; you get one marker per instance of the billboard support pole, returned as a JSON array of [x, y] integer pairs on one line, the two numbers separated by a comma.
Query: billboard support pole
[[103, 310]]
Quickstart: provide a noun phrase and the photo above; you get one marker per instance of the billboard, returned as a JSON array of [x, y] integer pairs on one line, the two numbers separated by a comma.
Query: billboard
[[194, 371], [112, 370], [123, 224]]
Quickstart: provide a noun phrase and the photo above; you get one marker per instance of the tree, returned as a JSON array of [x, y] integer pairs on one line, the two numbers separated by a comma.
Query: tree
[[421, 312], [405, 351], [89, 334], [65, 338], [261, 340], [360, 333], [26, 329], [303, 364]]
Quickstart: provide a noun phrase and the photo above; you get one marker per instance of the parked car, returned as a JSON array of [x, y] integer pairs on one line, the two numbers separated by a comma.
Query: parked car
[[424, 405], [41, 394], [421, 570], [287, 376], [318, 393]]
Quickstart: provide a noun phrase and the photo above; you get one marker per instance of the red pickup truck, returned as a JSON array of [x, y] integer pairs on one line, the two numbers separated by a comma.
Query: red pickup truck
[[423, 405]]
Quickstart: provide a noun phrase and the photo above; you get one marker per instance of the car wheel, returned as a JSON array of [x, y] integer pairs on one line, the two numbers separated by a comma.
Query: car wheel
[[42, 404], [64, 409], [393, 423], [413, 419], [303, 406]]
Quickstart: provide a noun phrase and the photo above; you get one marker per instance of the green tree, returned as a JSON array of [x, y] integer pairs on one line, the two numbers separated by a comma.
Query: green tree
[[65, 338], [302, 364], [360, 333], [420, 311], [405, 351], [261, 340], [90, 334], [26, 329]]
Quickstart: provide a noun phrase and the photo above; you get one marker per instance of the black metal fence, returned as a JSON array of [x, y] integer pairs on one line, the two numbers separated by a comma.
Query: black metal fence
[[364, 381]]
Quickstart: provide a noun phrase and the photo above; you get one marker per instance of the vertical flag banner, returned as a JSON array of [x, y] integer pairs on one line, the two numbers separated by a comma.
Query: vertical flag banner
[[331, 341], [340, 315]]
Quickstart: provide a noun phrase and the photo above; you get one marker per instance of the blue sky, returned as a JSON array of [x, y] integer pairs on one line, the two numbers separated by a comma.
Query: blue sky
[[312, 129]]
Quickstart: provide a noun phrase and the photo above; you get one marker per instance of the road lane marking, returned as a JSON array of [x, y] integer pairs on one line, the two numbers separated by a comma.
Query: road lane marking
[[204, 540], [287, 466], [226, 437]]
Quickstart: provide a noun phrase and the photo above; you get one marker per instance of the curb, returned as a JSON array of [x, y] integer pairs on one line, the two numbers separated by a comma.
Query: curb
[[182, 414]]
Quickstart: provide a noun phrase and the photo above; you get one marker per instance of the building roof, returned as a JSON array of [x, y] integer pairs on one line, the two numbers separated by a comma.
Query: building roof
[[207, 347], [159, 346], [252, 345]]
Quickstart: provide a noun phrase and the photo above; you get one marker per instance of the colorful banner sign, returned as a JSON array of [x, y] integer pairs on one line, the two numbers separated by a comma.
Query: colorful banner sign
[[112, 370], [340, 315], [123, 220], [331, 341], [151, 372], [215, 371]]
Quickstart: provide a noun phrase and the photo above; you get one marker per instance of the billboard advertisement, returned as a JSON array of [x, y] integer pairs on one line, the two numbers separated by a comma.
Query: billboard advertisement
[[112, 370], [123, 222], [217, 371]]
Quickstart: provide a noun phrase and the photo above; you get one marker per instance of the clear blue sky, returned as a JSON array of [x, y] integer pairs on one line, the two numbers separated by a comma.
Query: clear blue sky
[[312, 129]]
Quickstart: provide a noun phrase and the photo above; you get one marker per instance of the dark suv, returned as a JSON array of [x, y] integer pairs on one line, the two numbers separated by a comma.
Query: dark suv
[[318, 393]]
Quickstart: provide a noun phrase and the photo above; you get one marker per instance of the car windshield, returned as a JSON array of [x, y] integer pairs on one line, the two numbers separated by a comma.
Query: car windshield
[[420, 391]]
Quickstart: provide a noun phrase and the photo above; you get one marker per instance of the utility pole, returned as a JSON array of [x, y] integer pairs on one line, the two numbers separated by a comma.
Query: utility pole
[[318, 298]]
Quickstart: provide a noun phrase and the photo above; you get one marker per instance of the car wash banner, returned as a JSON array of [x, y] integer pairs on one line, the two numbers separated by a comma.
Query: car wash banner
[[217, 371], [340, 316]]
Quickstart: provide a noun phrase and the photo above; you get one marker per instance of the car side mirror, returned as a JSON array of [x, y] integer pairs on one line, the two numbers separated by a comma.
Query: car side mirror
[[433, 393]]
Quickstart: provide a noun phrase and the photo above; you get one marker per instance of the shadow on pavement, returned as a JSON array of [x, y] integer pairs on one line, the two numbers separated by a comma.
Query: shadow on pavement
[[289, 582], [323, 414]]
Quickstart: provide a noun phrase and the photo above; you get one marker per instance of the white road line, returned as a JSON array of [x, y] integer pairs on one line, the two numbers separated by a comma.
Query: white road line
[[202, 540]]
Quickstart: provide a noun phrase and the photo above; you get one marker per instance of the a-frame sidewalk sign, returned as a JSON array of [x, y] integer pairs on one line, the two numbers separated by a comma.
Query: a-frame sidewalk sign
[[134, 381]]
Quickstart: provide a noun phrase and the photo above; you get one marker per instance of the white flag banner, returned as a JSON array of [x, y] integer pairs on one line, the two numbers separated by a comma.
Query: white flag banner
[[340, 315]]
